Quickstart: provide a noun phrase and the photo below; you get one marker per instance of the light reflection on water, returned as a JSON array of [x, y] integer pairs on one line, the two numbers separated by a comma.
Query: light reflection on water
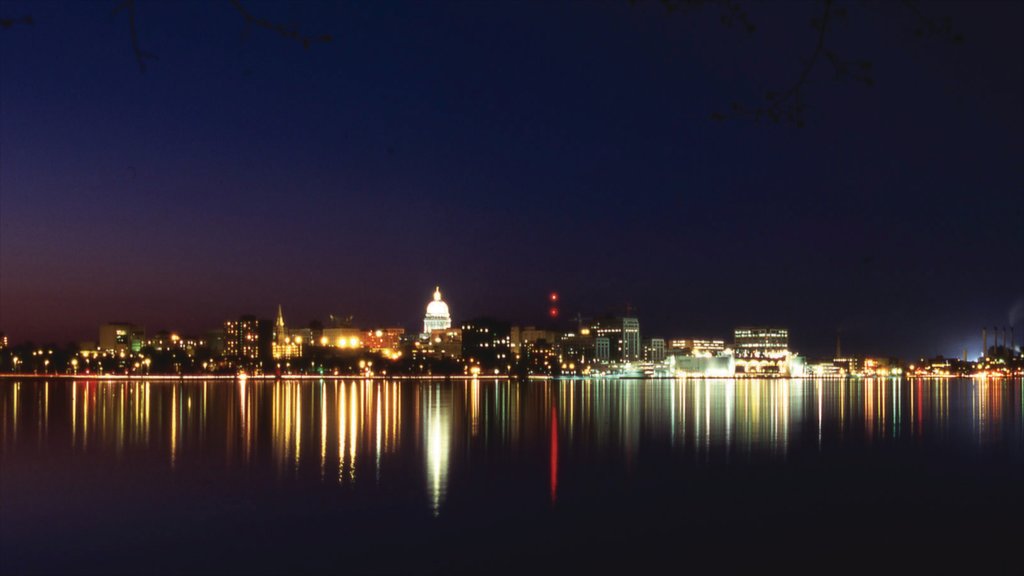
[[346, 431]]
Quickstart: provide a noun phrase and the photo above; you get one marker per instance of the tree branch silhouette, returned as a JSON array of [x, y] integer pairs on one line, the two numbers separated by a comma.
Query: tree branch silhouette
[[6, 23], [789, 105], [129, 6], [140, 55], [931, 26], [290, 33]]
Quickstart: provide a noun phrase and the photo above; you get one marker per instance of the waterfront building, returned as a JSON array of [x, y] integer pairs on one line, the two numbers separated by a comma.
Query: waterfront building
[[342, 337], [437, 316], [245, 340], [487, 343], [164, 341], [384, 340], [682, 363], [524, 339], [654, 350], [765, 351], [698, 346], [440, 345], [121, 337], [761, 342], [623, 337], [285, 346], [576, 346]]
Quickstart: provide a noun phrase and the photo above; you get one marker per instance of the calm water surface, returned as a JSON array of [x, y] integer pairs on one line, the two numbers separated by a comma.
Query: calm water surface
[[496, 476]]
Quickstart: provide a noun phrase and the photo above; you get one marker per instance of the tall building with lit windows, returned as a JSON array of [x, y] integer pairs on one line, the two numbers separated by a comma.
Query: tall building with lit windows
[[765, 351], [437, 317], [623, 335], [487, 343], [243, 340], [761, 342]]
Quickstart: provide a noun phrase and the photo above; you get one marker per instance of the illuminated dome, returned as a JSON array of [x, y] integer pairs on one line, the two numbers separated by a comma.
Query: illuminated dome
[[437, 317]]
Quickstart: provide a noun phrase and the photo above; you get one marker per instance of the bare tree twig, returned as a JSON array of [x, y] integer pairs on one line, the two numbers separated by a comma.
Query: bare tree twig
[[929, 25], [789, 106], [140, 55], [291, 33], [6, 23]]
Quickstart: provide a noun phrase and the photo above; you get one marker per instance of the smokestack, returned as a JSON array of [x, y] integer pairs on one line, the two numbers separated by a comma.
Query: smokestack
[[1013, 341], [839, 349], [984, 342]]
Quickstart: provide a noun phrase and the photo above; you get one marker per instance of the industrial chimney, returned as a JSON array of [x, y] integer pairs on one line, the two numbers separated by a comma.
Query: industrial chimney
[[984, 342]]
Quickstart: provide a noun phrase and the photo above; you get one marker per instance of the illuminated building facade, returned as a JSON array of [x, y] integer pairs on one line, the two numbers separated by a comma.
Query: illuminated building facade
[[383, 339], [623, 335], [346, 338], [765, 351], [440, 345], [654, 350], [437, 317], [525, 339], [121, 337], [761, 343], [487, 343], [698, 346], [168, 341], [576, 346], [284, 345], [681, 363], [244, 340]]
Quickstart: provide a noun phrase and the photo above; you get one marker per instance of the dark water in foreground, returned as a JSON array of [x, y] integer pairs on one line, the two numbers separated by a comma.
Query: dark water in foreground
[[347, 476]]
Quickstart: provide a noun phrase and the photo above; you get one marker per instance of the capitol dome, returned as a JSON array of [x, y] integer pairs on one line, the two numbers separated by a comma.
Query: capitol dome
[[437, 317], [437, 307]]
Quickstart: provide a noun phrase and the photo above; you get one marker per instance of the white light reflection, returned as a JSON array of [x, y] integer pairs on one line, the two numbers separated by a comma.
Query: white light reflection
[[436, 433]]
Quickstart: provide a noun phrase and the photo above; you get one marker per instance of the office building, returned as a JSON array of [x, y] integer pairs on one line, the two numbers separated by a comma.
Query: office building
[[487, 343], [121, 337]]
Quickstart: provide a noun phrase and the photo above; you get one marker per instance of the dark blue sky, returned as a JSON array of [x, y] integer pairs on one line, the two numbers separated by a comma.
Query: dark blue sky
[[503, 150]]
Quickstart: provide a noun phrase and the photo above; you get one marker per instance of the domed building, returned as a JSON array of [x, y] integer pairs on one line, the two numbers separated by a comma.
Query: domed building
[[437, 317]]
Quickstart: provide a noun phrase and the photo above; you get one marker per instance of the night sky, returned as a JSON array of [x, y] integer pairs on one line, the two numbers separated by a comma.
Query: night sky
[[504, 150]]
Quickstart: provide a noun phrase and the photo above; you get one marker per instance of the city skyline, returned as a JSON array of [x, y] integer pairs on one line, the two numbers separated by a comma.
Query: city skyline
[[511, 286], [571, 149], [972, 346]]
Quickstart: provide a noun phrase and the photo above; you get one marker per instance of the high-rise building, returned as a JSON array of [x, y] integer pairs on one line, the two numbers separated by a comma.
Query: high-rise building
[[244, 340], [121, 337], [577, 346], [654, 350], [602, 348], [623, 336], [487, 343], [437, 317]]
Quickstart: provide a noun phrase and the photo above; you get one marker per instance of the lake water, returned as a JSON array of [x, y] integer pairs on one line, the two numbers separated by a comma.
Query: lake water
[[487, 476]]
